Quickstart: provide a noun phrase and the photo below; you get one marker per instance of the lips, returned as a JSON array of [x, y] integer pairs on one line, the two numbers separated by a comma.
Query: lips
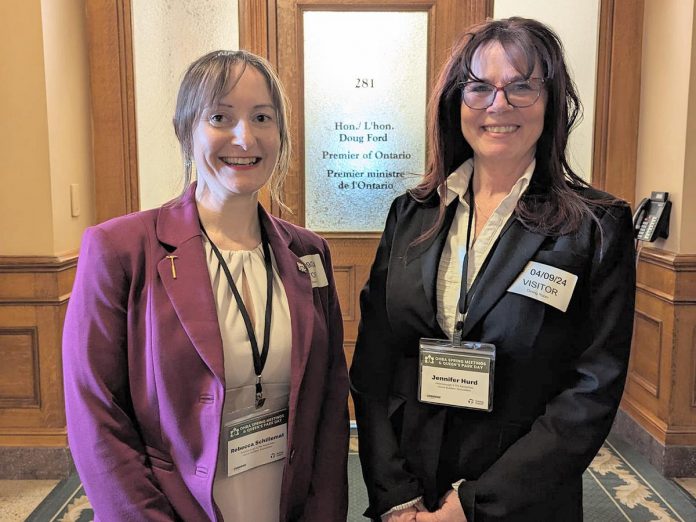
[[234, 161]]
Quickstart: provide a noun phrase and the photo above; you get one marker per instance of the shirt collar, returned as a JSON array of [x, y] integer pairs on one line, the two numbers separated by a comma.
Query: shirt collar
[[458, 181]]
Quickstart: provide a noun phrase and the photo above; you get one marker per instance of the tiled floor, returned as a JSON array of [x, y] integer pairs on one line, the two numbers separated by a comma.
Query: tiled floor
[[18, 498]]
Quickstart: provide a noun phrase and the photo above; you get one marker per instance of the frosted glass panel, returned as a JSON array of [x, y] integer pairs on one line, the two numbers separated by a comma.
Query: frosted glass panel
[[365, 79]]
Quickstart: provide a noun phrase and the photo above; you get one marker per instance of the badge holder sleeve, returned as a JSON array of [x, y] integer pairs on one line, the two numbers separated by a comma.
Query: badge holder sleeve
[[456, 375], [244, 434]]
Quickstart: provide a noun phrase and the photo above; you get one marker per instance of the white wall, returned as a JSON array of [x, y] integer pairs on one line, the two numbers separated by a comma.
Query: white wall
[[167, 36], [577, 24]]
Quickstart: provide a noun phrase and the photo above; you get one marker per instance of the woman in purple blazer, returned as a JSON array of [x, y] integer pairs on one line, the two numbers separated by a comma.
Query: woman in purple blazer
[[203, 346]]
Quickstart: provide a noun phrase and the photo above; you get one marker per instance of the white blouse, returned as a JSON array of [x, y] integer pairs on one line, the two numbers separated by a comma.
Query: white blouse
[[254, 494], [449, 274]]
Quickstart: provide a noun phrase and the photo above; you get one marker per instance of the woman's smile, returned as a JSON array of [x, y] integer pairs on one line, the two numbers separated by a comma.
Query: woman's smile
[[241, 161], [500, 129]]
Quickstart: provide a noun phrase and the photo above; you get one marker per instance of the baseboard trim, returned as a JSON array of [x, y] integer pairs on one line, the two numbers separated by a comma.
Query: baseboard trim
[[669, 460], [35, 463]]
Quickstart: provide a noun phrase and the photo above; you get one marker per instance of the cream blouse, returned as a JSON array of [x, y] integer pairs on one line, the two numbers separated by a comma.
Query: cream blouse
[[254, 494]]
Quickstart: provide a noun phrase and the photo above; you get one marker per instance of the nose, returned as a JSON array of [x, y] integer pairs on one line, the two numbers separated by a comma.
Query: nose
[[243, 135], [500, 102]]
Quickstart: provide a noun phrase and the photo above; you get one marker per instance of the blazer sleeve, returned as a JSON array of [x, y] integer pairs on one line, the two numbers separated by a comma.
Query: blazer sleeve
[[563, 441], [102, 432], [328, 497], [388, 481]]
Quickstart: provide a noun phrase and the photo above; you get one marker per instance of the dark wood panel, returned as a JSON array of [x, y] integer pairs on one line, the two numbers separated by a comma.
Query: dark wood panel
[[345, 286], [645, 367], [19, 371]]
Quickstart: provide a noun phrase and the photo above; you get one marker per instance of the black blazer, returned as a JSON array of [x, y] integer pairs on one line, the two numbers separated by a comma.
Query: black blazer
[[558, 378]]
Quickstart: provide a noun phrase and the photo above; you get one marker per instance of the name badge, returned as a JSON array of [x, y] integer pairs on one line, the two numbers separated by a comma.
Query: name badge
[[545, 283], [256, 441], [460, 376], [316, 270]]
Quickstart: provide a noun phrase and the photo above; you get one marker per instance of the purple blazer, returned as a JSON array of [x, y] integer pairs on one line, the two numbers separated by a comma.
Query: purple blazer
[[145, 382]]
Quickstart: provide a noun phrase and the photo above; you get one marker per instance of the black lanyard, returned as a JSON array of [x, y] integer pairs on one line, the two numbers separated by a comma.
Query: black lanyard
[[259, 358], [463, 303]]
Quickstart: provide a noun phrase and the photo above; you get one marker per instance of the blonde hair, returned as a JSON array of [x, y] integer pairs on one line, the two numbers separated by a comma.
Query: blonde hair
[[205, 82]]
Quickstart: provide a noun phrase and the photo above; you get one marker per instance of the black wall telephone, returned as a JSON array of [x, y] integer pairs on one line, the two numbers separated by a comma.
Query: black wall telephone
[[651, 219]]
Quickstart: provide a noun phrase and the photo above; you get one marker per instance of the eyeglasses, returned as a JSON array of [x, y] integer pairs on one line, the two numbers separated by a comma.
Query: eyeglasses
[[519, 93]]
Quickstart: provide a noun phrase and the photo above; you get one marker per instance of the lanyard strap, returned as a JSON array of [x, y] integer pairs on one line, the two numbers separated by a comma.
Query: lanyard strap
[[258, 358], [463, 303]]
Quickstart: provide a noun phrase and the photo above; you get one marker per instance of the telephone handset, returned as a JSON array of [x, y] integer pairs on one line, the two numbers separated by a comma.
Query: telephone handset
[[651, 218]]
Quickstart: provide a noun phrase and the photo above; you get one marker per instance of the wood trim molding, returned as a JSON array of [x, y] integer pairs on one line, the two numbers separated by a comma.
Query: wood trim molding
[[660, 430], [38, 263], [40, 280], [668, 276], [109, 33], [618, 97], [257, 28], [669, 260]]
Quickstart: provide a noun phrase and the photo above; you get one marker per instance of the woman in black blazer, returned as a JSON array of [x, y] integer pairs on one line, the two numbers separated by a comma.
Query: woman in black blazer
[[550, 278]]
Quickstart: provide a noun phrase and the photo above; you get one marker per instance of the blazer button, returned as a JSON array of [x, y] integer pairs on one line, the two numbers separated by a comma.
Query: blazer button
[[292, 456]]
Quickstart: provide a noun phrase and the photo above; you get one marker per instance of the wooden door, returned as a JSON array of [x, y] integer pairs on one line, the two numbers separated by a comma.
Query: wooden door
[[352, 251]]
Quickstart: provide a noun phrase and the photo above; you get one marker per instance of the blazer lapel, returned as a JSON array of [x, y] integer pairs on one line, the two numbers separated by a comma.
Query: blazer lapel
[[432, 249], [515, 248], [298, 289], [190, 292]]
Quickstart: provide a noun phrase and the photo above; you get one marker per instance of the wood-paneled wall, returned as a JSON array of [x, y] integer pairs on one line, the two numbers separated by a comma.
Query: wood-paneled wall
[[34, 295], [660, 391]]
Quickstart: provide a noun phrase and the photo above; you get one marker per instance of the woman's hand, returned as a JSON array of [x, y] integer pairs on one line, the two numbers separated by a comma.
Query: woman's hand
[[450, 510], [402, 515]]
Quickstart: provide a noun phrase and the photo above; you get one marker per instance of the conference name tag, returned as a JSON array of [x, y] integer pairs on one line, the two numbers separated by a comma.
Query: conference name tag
[[545, 283], [460, 376], [256, 441], [316, 270]]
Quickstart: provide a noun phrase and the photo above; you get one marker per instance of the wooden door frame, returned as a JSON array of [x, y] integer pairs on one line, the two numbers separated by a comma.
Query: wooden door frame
[[109, 29], [445, 17], [617, 105], [114, 144]]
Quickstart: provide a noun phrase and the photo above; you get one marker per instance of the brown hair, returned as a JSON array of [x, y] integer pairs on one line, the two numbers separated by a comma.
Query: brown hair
[[206, 81], [552, 204]]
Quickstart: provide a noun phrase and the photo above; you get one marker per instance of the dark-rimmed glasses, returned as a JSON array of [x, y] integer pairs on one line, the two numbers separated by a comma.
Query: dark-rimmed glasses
[[479, 95]]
